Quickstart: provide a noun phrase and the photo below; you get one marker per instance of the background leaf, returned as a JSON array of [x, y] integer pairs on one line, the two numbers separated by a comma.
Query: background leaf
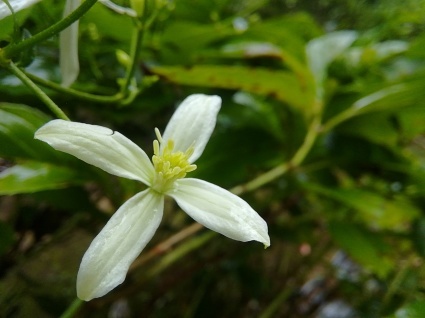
[[33, 176]]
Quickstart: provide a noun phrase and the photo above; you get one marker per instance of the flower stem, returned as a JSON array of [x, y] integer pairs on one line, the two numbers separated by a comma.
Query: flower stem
[[72, 309], [12, 49], [37, 91]]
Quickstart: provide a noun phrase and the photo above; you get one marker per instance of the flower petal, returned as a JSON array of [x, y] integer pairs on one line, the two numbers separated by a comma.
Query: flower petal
[[68, 59], [106, 262], [100, 147], [118, 9], [17, 6], [193, 123], [220, 210]]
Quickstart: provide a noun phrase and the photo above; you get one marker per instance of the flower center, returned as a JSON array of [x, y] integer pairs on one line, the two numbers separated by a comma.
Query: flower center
[[169, 165]]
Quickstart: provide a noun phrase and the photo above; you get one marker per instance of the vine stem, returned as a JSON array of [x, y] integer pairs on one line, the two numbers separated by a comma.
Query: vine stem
[[73, 92], [12, 49], [37, 91], [136, 45]]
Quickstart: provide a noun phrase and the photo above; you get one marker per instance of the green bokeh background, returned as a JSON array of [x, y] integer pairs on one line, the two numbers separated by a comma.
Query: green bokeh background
[[346, 221]]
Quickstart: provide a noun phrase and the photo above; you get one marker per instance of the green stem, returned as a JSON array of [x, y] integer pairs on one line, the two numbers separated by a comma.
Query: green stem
[[136, 44], [37, 91], [261, 180], [74, 92], [310, 138], [336, 120], [12, 49], [72, 309]]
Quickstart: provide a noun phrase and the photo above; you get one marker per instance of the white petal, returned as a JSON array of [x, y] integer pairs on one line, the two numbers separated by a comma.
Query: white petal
[[100, 147], [17, 6], [220, 210], [106, 262], [193, 123], [118, 9], [68, 59]]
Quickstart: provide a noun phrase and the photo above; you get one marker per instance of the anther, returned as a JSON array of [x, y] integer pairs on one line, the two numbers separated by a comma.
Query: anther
[[158, 135]]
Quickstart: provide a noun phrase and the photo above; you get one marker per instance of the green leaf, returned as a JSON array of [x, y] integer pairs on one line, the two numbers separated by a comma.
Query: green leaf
[[391, 98], [103, 19], [374, 209], [282, 85], [290, 32], [322, 51], [35, 176], [18, 124], [361, 246], [7, 24], [183, 41], [376, 127]]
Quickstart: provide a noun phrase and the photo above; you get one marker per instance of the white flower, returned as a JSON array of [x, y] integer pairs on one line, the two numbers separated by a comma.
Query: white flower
[[106, 262]]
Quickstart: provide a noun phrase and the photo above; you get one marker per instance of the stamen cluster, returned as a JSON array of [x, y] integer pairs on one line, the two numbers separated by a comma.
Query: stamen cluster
[[169, 165]]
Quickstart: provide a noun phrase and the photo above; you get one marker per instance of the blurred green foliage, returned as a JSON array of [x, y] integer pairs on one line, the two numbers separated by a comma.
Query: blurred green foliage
[[334, 89]]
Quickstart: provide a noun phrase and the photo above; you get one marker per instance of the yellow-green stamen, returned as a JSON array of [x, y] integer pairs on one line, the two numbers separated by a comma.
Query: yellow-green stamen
[[169, 165]]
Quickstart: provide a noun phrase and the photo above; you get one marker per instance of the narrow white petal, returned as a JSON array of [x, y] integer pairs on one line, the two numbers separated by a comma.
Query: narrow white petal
[[100, 147], [106, 262], [68, 46], [118, 9], [17, 6], [193, 123], [220, 210]]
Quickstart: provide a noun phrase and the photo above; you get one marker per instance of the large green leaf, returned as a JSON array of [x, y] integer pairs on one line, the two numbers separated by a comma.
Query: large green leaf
[[290, 32], [282, 85], [35, 176], [393, 98], [361, 246], [376, 127], [373, 208], [183, 41]]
